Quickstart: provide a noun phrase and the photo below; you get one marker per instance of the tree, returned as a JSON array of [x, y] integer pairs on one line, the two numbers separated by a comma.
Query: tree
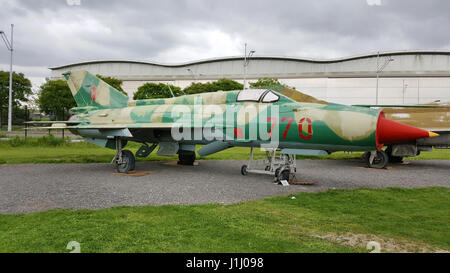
[[21, 89], [55, 98], [227, 84], [265, 83], [116, 83], [222, 84], [156, 91]]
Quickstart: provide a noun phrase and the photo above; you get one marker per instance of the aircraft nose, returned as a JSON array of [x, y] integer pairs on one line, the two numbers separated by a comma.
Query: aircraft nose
[[389, 131]]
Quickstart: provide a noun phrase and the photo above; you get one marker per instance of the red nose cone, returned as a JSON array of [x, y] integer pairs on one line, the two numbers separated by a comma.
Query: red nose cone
[[389, 131]]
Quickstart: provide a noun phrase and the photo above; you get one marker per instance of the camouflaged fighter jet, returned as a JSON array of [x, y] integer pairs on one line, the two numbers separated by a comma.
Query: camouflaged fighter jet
[[246, 118]]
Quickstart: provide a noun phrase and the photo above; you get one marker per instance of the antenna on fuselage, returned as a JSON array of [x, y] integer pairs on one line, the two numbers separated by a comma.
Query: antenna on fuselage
[[173, 96], [171, 92]]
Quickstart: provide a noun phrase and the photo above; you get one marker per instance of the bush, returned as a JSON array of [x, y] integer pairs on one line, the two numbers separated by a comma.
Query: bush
[[156, 91], [222, 84], [51, 141], [17, 141]]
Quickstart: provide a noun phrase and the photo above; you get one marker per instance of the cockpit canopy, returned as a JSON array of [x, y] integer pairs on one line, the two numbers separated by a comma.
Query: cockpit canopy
[[257, 95]]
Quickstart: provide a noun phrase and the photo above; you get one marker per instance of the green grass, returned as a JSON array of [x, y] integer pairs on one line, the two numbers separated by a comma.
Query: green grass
[[14, 128], [280, 224], [50, 149]]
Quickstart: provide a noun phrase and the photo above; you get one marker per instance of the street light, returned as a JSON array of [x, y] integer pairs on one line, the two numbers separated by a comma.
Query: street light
[[246, 61], [405, 85], [379, 69], [9, 46], [193, 74]]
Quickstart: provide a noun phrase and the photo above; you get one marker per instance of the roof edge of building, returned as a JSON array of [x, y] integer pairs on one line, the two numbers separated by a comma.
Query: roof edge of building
[[233, 58]]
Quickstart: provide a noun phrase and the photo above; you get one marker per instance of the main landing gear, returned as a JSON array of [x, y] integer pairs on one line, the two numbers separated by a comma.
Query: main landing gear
[[124, 159], [281, 166], [393, 158], [376, 159], [186, 158]]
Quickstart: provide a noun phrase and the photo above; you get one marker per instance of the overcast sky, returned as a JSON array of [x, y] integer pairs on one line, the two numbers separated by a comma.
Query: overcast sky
[[50, 33]]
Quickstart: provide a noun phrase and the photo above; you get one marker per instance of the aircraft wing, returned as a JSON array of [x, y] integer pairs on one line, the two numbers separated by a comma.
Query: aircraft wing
[[159, 125], [397, 106]]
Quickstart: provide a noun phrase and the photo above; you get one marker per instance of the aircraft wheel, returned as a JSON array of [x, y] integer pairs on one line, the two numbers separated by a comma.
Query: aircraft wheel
[[244, 170], [277, 172], [366, 156], [284, 175], [186, 158], [128, 162], [379, 162]]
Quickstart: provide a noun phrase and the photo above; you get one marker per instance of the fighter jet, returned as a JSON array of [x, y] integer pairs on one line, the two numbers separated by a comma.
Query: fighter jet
[[220, 120]]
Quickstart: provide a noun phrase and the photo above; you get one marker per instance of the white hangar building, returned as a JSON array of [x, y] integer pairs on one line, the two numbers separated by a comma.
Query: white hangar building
[[404, 77]]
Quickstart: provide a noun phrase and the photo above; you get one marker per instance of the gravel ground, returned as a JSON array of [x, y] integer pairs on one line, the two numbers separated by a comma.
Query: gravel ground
[[37, 187]]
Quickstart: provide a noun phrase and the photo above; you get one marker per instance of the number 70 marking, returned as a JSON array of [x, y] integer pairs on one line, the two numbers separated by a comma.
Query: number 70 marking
[[290, 120]]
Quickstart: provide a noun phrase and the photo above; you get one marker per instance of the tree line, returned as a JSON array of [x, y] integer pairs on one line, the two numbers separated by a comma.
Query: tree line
[[54, 96]]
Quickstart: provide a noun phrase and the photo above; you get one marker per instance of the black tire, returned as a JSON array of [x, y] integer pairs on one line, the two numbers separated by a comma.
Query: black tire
[[379, 162], [277, 172], [284, 175], [244, 170], [393, 158], [129, 162], [186, 158], [366, 156]]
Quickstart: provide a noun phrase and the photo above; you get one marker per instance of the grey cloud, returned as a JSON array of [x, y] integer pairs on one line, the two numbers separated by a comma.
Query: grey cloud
[[52, 33]]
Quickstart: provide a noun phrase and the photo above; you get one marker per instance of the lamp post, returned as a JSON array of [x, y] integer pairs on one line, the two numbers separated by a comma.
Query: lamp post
[[405, 85], [380, 69], [193, 74], [246, 62], [9, 46]]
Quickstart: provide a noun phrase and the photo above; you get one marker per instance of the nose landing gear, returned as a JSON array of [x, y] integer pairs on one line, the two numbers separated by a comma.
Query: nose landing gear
[[281, 166], [124, 159]]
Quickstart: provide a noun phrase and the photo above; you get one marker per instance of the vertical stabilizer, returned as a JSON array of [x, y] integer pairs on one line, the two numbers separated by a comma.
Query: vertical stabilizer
[[89, 90]]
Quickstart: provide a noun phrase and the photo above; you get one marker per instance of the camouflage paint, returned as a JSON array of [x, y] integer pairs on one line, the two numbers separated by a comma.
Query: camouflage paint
[[331, 126]]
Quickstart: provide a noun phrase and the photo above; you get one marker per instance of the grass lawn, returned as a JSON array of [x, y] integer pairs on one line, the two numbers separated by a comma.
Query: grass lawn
[[14, 128], [331, 221], [54, 150]]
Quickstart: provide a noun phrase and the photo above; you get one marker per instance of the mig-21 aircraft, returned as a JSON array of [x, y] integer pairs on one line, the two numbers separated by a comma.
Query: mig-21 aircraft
[[220, 120]]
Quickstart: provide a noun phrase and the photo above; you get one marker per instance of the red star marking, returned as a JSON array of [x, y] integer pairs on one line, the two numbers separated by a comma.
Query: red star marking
[[93, 93]]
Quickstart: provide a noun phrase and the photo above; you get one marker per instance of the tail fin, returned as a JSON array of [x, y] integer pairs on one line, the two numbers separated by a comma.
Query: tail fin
[[89, 90]]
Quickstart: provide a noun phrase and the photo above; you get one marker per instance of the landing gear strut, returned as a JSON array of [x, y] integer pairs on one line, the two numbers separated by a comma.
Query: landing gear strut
[[124, 159], [281, 166]]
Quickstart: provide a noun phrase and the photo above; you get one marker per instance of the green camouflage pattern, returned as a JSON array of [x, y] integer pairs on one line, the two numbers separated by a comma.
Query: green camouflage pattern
[[102, 110]]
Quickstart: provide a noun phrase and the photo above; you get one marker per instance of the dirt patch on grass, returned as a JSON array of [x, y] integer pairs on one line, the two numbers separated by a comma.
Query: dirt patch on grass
[[385, 244]]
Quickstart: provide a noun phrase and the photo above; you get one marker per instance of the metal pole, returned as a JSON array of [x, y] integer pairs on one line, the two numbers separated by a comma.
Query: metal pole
[[10, 84], [418, 92], [193, 74], [245, 65], [378, 68], [403, 100]]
